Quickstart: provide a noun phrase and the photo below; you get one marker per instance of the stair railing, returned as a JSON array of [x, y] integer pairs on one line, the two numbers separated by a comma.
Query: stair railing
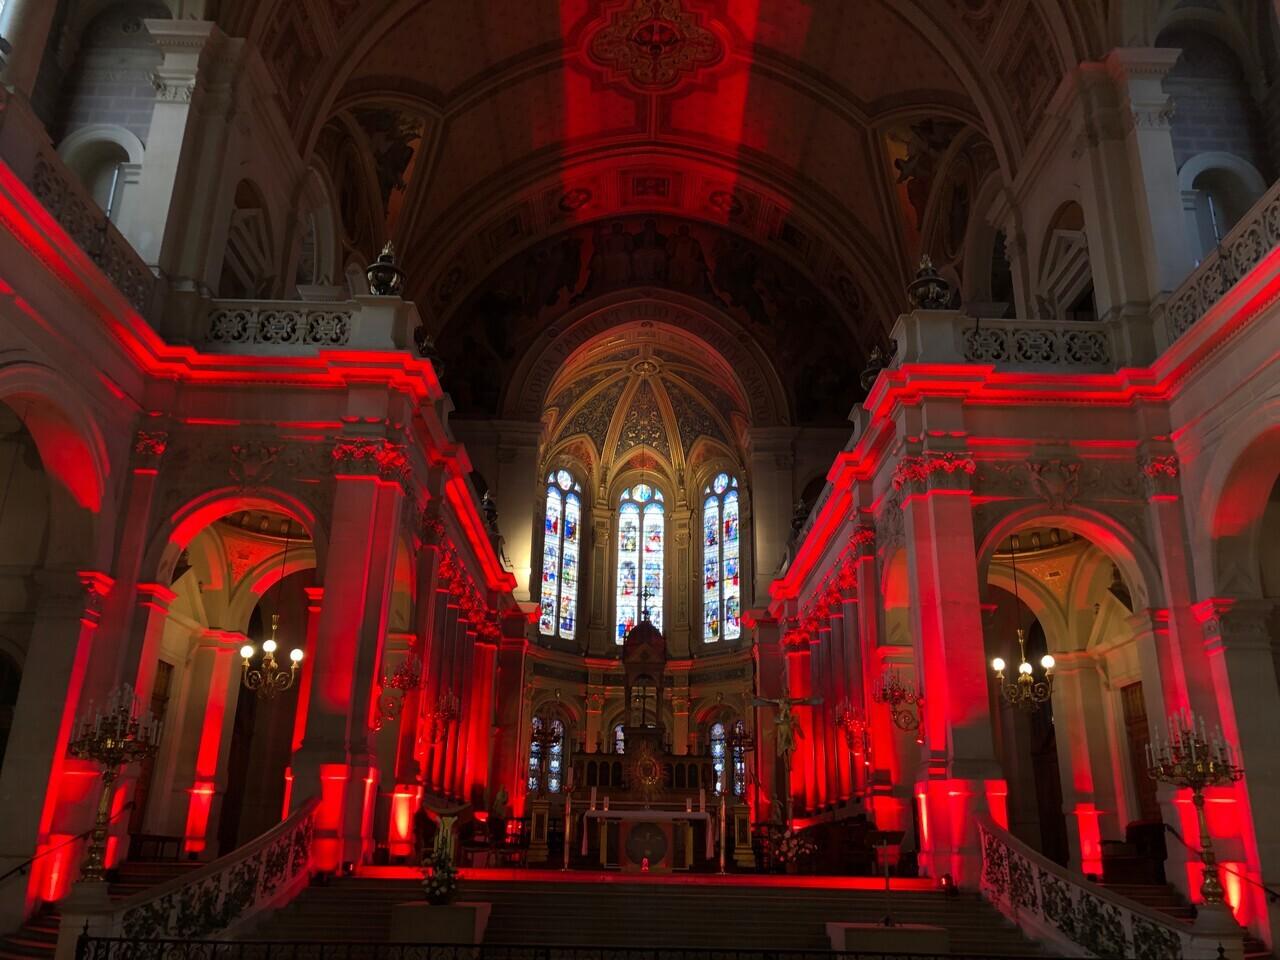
[[213, 901], [27, 864], [1077, 918], [1273, 895]]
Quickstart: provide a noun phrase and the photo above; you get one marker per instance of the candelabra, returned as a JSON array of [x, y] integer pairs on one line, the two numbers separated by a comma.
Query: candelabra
[[1026, 692], [112, 739], [407, 678], [269, 678], [445, 711], [1191, 760], [899, 697], [857, 737]]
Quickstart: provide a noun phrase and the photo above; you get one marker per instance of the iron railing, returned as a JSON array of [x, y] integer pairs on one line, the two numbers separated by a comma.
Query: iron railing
[[104, 948]]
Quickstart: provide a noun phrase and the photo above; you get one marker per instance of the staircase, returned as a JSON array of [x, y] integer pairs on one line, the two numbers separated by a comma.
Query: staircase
[[1166, 899], [614, 912], [39, 936]]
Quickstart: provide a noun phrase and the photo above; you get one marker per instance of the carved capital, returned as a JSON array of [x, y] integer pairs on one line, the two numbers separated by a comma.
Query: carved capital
[[370, 457], [1159, 475], [149, 446], [934, 471], [862, 543]]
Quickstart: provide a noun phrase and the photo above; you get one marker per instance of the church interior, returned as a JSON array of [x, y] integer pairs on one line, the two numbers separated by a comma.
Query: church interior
[[639, 475]]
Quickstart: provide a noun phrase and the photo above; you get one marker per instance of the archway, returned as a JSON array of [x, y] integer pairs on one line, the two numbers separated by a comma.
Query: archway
[[233, 564], [1075, 765]]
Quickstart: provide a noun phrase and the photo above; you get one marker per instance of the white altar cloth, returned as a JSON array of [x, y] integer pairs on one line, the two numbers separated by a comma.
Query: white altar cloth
[[651, 816]]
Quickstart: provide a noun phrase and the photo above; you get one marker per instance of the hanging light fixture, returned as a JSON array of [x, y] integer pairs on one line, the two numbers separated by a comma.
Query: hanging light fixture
[[1026, 692], [269, 677]]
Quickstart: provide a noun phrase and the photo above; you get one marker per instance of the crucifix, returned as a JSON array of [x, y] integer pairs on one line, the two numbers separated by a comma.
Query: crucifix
[[786, 728]]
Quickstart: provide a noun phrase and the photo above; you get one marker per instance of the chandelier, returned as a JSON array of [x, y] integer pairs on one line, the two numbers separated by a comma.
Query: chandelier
[[269, 678], [1026, 692], [899, 697]]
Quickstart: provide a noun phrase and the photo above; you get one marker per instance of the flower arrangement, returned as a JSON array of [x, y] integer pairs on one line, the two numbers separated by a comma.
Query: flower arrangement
[[791, 847], [439, 879]]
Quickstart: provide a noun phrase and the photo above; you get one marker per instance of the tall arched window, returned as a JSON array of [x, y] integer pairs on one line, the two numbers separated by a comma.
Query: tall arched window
[[560, 553], [554, 746], [640, 551], [721, 580], [619, 739], [739, 759], [718, 755]]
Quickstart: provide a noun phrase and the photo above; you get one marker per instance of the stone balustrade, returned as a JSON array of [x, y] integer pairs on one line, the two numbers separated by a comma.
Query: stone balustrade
[[949, 336], [298, 327], [26, 150], [1250, 240]]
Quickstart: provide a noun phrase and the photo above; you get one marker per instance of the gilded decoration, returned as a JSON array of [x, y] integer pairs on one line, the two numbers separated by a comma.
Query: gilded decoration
[[653, 44], [693, 420], [593, 417], [644, 424]]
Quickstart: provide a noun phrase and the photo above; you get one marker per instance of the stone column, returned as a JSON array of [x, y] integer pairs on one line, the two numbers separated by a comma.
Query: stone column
[[182, 186], [959, 768], [480, 742], [595, 712], [336, 758], [1146, 112], [211, 688], [770, 684], [1084, 749], [799, 683], [25, 24], [510, 716], [40, 789], [1239, 645], [1186, 680], [772, 483]]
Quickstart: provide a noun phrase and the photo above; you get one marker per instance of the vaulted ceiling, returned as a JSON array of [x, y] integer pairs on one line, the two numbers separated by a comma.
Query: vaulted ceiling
[[841, 138]]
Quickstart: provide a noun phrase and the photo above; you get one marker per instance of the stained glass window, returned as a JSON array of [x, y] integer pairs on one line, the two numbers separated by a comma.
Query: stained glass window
[[717, 755], [619, 739], [721, 561], [739, 759], [641, 541], [555, 757], [561, 551]]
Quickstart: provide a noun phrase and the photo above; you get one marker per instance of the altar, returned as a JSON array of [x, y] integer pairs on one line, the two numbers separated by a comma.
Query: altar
[[663, 838]]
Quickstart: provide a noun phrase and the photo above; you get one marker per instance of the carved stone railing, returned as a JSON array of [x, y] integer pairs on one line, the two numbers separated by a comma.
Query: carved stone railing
[[218, 898], [25, 149], [948, 336], [1255, 236], [1074, 917], [298, 326]]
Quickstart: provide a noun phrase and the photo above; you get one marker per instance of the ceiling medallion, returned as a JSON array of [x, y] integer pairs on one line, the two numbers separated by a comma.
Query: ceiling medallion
[[653, 44]]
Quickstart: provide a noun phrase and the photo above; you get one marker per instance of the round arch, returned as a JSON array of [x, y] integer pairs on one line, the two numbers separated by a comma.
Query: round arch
[[1037, 598], [66, 433], [666, 313], [1235, 490], [178, 530], [1114, 539]]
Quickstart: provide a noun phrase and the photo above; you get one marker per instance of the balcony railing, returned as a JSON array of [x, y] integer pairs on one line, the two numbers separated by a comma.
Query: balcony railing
[[214, 900], [95, 948], [25, 148], [948, 336], [1078, 918], [1256, 235], [298, 327]]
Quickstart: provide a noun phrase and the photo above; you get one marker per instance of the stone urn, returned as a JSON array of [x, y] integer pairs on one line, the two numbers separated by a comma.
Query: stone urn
[[420, 922]]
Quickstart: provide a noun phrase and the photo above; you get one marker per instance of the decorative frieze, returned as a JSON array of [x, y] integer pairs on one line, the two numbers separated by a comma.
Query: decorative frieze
[[248, 323], [934, 471]]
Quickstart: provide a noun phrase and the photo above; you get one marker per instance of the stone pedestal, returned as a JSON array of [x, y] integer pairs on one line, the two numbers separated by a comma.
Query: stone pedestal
[[422, 922], [872, 938]]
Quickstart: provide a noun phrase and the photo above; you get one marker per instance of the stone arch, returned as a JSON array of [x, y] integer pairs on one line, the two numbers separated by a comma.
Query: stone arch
[[1230, 183], [1138, 566], [1236, 489], [71, 445], [178, 530], [666, 313]]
